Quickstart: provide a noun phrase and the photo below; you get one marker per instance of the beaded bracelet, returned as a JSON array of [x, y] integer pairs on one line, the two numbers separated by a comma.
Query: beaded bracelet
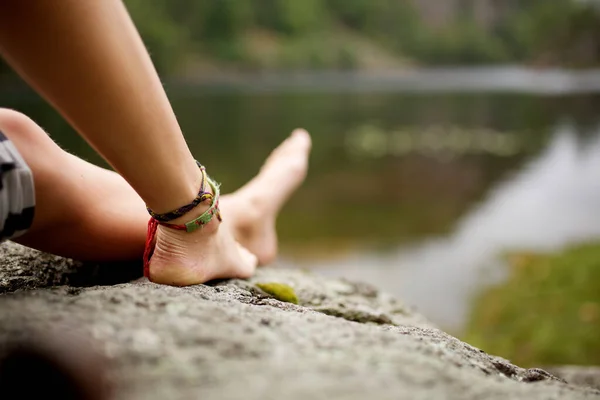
[[202, 195], [206, 217], [191, 226]]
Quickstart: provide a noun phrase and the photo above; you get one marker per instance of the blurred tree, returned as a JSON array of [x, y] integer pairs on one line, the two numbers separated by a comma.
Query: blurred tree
[[291, 17], [166, 40], [354, 14], [324, 33], [224, 19], [562, 32]]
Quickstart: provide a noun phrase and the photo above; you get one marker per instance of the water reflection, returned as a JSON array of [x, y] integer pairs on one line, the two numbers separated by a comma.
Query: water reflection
[[553, 201], [437, 141]]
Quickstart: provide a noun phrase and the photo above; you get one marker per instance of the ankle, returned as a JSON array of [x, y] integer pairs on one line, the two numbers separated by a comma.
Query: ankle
[[186, 219], [196, 211], [186, 192]]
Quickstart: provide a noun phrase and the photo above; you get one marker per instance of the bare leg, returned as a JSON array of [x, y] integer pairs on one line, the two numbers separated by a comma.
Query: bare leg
[[90, 213], [98, 74]]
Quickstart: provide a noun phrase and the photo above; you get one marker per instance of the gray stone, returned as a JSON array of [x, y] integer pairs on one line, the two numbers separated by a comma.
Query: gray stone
[[584, 376], [229, 340]]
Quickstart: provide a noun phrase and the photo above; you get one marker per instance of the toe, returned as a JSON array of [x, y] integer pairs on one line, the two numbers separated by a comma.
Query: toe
[[248, 263], [301, 138]]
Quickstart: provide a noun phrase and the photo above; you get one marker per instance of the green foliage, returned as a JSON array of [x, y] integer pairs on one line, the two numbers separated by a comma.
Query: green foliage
[[291, 17], [355, 14], [314, 52], [165, 40], [561, 31], [461, 43], [280, 291], [299, 33], [547, 313]]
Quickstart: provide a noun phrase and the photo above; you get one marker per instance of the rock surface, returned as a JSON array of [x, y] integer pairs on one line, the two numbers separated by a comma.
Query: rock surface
[[584, 376], [230, 340]]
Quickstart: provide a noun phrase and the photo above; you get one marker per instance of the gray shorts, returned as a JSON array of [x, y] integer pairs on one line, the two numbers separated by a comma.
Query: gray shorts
[[17, 194]]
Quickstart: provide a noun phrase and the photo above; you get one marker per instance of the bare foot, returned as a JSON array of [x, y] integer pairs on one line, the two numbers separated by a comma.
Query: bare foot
[[253, 209], [250, 214], [181, 258]]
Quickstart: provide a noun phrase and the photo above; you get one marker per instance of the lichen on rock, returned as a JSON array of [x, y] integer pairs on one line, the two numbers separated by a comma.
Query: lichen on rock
[[280, 291]]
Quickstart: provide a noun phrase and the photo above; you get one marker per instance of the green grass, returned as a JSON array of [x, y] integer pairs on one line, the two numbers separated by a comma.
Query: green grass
[[547, 313]]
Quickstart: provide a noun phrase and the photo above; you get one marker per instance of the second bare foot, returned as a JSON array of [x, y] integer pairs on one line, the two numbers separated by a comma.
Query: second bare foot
[[253, 209]]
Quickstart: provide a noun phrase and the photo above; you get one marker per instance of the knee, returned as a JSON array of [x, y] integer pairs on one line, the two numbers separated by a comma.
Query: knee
[[28, 137], [18, 127]]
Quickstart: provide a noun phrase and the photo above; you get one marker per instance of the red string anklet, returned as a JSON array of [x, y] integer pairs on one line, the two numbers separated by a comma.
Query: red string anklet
[[191, 226]]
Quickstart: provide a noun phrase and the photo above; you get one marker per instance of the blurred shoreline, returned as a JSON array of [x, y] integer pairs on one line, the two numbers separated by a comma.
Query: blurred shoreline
[[518, 79]]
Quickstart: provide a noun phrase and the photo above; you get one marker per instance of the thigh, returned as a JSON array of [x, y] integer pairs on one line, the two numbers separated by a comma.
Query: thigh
[[81, 210]]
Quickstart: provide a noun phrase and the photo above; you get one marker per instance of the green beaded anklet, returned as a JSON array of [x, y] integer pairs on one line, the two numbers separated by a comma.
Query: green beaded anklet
[[206, 217], [191, 226]]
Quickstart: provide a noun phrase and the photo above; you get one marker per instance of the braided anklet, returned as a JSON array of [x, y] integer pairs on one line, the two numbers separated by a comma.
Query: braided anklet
[[202, 195], [191, 226]]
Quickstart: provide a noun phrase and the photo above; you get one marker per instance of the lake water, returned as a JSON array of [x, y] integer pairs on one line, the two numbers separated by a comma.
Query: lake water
[[416, 191]]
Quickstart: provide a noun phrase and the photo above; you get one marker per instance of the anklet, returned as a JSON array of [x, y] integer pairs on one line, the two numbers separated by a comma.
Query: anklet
[[191, 226], [203, 219], [202, 195]]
